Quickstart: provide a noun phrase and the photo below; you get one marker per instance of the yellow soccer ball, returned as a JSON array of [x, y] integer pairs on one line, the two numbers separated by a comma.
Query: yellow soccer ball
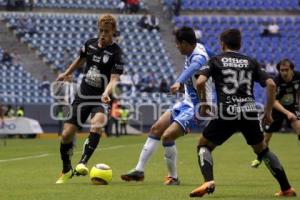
[[101, 174]]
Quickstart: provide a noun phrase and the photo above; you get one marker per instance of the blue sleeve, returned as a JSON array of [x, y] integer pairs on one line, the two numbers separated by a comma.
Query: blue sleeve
[[210, 53], [191, 70]]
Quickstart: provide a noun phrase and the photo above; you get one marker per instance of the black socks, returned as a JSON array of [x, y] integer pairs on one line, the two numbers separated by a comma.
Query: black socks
[[66, 151], [90, 145]]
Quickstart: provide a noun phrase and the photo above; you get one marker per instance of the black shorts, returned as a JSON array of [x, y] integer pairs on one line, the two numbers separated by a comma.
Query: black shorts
[[81, 109], [278, 118], [219, 130]]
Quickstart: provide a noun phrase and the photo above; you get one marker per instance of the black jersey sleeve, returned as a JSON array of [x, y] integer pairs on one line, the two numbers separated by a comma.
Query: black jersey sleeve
[[207, 69], [260, 75], [118, 63]]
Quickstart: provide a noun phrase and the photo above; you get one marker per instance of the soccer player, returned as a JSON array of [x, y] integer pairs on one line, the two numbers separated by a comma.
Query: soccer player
[[104, 65], [286, 106], [177, 121], [234, 75]]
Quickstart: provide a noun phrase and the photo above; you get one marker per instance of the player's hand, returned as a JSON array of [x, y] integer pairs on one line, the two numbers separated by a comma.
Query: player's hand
[[205, 111], [175, 88], [267, 119], [64, 77], [105, 98], [291, 116]]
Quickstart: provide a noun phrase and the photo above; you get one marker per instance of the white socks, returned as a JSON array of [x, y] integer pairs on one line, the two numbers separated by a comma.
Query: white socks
[[149, 147], [171, 159]]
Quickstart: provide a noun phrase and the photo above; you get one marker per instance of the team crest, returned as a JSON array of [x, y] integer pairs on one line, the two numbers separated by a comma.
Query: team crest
[[105, 58], [296, 86]]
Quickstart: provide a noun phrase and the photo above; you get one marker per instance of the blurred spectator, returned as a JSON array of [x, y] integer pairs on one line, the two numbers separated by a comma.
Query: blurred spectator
[[271, 69], [6, 56], [134, 5], [168, 8], [136, 80], [10, 112], [198, 34], [20, 111], [115, 115], [148, 83], [269, 29], [125, 79], [124, 113], [274, 29], [10, 4], [152, 22], [26, 26], [67, 58], [45, 85], [177, 7], [122, 6], [118, 37], [1, 116], [31, 5], [143, 21], [163, 87]]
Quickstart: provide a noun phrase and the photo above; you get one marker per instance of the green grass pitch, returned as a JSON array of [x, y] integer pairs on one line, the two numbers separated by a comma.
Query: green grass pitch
[[29, 169]]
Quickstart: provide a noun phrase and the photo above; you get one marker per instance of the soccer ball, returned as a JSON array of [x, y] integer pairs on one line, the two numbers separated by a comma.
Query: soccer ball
[[101, 174]]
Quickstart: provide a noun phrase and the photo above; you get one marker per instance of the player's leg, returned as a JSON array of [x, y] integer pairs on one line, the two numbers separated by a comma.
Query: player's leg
[[205, 161], [216, 133], [296, 127], [274, 127], [66, 151], [149, 147], [97, 122], [169, 136], [252, 132], [275, 167]]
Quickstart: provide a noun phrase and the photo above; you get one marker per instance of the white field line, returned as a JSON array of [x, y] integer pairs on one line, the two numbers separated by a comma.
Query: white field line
[[47, 154], [24, 158]]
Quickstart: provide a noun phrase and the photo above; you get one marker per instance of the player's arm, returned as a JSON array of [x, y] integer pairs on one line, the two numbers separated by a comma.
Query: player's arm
[[76, 64], [291, 116], [266, 81], [117, 70], [205, 72], [114, 79], [187, 73], [271, 91]]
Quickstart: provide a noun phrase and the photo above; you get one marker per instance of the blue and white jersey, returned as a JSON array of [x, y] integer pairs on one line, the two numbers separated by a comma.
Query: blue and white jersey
[[191, 96]]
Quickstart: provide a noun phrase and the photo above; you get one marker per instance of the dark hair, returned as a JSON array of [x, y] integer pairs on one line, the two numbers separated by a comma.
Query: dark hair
[[283, 61], [232, 38], [186, 34]]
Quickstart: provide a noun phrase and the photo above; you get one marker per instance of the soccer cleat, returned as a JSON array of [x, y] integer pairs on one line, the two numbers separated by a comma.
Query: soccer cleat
[[81, 170], [171, 181], [205, 188], [65, 177], [288, 193], [255, 163], [133, 175]]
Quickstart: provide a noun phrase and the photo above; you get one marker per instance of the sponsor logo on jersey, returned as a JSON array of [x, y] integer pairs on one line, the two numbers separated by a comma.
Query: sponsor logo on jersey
[[96, 59], [92, 47], [105, 58], [107, 52], [235, 62]]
